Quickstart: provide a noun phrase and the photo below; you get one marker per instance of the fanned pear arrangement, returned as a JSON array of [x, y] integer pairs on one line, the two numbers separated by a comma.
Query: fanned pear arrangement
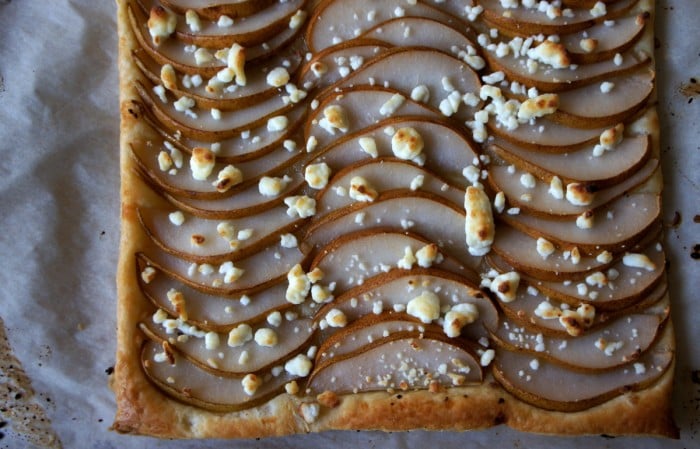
[[408, 214]]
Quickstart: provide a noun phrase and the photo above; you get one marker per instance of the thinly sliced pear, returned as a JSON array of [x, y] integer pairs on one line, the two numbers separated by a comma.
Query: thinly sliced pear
[[548, 79], [361, 107], [189, 383], [405, 363], [244, 203], [256, 89], [205, 127], [550, 386], [260, 271], [539, 202], [532, 21], [427, 215], [617, 225], [420, 31], [547, 136], [211, 10], [383, 175], [210, 312], [211, 247], [610, 40], [179, 182], [352, 258], [329, 22], [330, 65], [393, 290], [438, 135], [224, 360], [415, 66], [579, 166]]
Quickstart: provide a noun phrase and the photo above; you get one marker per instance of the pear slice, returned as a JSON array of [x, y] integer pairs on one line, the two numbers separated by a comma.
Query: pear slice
[[624, 285], [214, 313], [531, 21], [548, 79], [537, 201], [172, 52], [256, 89], [547, 136], [224, 360], [550, 386], [589, 107], [419, 31], [402, 363], [610, 40], [210, 247], [247, 145], [437, 135], [211, 10], [361, 106], [260, 271], [329, 22], [189, 383], [179, 182], [199, 123], [352, 258], [635, 333], [244, 203], [246, 31], [442, 74], [333, 63], [395, 289], [579, 166], [422, 213], [384, 174], [617, 225], [519, 250]]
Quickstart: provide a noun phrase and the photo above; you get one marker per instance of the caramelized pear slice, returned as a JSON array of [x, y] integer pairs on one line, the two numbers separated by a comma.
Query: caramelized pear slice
[[244, 203], [362, 108], [384, 174], [201, 240], [256, 89], [610, 40], [427, 215], [403, 363], [392, 291], [548, 79], [330, 22], [531, 21], [221, 359], [405, 68], [333, 63], [212, 10], [547, 136], [617, 225], [579, 166], [437, 135], [260, 271], [200, 124], [592, 352], [419, 31], [539, 202], [189, 383], [550, 386], [353, 258], [210, 312]]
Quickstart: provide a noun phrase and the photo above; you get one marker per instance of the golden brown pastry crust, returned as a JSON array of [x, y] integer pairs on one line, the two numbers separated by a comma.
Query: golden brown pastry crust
[[143, 409]]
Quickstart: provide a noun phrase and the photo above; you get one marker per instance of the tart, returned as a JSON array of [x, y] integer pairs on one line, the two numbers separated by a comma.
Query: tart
[[390, 215]]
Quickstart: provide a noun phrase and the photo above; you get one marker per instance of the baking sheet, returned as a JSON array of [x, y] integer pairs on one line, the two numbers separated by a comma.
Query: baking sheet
[[59, 214]]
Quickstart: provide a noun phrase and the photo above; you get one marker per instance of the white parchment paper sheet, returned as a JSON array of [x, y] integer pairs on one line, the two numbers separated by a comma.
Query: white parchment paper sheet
[[59, 213]]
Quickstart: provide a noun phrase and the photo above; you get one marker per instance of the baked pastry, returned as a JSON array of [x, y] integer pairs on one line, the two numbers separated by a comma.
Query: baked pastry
[[390, 215]]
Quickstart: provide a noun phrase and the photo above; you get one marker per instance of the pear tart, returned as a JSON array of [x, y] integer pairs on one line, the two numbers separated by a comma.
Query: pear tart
[[390, 215]]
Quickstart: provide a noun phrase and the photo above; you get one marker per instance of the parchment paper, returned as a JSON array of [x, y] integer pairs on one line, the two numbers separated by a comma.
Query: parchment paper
[[59, 214]]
